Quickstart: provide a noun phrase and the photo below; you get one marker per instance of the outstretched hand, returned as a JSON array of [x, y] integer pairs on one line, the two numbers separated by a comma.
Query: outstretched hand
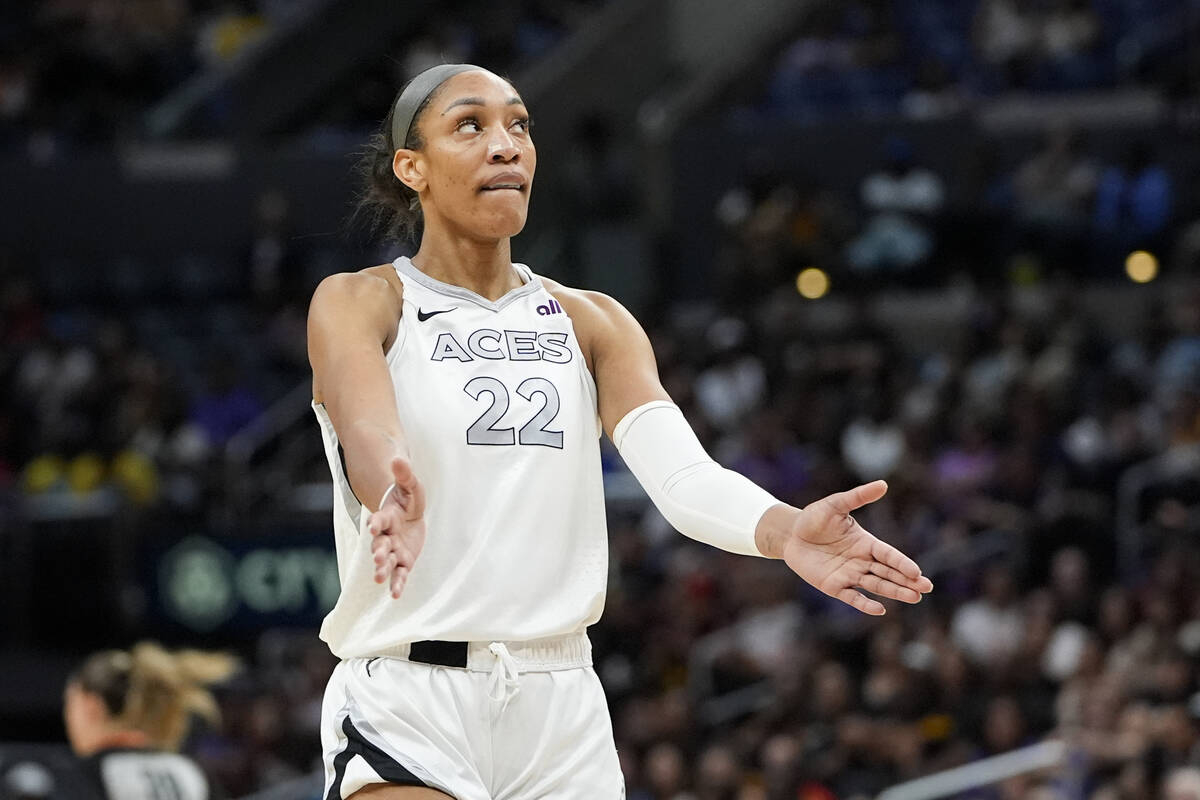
[[829, 549], [398, 528]]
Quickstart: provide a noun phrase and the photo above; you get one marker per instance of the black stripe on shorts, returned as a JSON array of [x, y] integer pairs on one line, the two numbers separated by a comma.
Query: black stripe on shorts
[[384, 765]]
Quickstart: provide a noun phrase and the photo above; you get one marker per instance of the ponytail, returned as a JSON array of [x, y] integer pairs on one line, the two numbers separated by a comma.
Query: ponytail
[[155, 691], [386, 207]]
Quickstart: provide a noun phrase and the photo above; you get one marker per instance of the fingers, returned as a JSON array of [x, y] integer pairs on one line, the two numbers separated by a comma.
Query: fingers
[[859, 496], [393, 562], [897, 577], [399, 578], [891, 558], [407, 483], [860, 601], [385, 557], [382, 521], [884, 553], [383, 566], [392, 518], [886, 588], [885, 582], [876, 585], [402, 473], [391, 554]]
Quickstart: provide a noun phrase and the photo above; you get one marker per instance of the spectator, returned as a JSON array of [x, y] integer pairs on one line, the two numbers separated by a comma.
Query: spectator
[[1006, 37], [1052, 197], [735, 383], [665, 775], [873, 446], [1182, 783], [772, 458], [1134, 202], [902, 200], [1055, 187], [228, 404], [234, 26], [718, 774], [1069, 33], [989, 629]]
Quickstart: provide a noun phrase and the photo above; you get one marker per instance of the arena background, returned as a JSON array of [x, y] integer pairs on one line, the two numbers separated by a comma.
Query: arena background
[[950, 243]]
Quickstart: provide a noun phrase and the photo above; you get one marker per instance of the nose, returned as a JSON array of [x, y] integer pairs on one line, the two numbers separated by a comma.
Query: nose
[[503, 148]]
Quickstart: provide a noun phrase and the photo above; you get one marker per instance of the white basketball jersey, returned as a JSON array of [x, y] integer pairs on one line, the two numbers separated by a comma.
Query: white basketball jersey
[[499, 413]]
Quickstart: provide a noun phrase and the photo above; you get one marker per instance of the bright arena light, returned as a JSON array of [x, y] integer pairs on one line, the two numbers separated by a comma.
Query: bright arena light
[[812, 283], [1141, 267]]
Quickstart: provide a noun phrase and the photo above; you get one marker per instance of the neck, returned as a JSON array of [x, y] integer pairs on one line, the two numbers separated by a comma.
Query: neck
[[482, 265], [114, 738]]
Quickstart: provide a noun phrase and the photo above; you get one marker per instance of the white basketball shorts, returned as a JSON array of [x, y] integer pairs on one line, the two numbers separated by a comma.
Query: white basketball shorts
[[478, 721]]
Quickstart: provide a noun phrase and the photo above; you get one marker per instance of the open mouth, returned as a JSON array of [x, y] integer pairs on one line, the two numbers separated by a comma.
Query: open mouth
[[504, 187]]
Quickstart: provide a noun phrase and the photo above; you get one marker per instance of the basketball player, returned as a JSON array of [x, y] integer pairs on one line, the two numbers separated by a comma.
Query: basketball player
[[461, 398], [126, 713]]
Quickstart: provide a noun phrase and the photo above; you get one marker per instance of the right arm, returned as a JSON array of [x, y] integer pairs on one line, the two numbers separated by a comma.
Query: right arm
[[351, 318], [351, 321], [822, 543]]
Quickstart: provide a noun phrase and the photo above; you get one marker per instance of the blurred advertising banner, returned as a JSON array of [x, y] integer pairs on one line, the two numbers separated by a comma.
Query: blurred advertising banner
[[208, 583]]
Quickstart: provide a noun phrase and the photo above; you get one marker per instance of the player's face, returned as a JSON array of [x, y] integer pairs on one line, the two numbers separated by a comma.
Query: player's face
[[476, 168], [77, 716]]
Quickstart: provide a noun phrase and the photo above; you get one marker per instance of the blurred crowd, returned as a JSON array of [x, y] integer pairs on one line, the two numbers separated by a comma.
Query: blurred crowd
[[79, 73], [1059, 205], [506, 36], [76, 74], [930, 58], [117, 402], [1005, 440], [82, 72]]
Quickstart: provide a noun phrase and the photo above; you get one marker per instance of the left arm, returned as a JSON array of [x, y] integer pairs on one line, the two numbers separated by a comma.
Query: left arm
[[821, 543]]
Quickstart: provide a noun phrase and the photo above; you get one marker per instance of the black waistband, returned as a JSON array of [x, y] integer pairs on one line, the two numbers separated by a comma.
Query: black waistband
[[444, 654]]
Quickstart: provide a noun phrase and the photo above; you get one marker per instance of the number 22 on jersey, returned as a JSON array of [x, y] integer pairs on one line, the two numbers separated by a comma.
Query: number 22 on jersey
[[536, 431]]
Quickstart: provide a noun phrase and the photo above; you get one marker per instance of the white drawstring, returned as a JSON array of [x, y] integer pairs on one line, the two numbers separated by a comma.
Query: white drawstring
[[504, 682]]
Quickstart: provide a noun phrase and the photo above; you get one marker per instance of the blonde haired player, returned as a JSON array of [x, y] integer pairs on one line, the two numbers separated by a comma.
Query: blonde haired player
[[127, 711], [461, 398]]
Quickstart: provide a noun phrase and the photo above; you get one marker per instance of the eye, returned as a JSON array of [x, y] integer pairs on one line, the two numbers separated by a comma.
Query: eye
[[468, 125], [523, 124]]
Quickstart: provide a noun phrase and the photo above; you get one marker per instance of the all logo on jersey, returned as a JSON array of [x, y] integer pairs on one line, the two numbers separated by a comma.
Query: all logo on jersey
[[549, 308]]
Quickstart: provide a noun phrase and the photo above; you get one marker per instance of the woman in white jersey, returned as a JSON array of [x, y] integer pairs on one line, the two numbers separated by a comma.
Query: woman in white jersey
[[461, 398]]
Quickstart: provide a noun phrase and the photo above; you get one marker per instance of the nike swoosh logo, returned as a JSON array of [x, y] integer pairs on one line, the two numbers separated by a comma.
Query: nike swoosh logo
[[424, 315]]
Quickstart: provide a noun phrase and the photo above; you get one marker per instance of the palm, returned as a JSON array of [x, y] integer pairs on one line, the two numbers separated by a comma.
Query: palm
[[829, 549], [398, 528]]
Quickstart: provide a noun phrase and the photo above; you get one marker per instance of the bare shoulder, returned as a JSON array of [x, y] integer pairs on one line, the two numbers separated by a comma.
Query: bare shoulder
[[596, 312], [618, 352], [602, 325], [351, 313], [367, 303], [368, 289]]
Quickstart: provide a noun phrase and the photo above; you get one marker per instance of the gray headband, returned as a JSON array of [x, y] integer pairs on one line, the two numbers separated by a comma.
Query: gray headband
[[418, 89]]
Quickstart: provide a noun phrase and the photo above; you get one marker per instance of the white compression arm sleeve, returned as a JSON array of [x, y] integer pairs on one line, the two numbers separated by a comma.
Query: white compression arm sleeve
[[697, 495]]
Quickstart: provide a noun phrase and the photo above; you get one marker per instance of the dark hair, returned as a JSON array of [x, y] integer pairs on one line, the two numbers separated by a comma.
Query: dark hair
[[385, 206]]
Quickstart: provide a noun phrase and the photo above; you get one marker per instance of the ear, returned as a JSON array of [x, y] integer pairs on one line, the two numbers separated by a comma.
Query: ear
[[408, 167]]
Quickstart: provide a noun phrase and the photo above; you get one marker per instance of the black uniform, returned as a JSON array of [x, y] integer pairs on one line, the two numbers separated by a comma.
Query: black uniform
[[143, 774]]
